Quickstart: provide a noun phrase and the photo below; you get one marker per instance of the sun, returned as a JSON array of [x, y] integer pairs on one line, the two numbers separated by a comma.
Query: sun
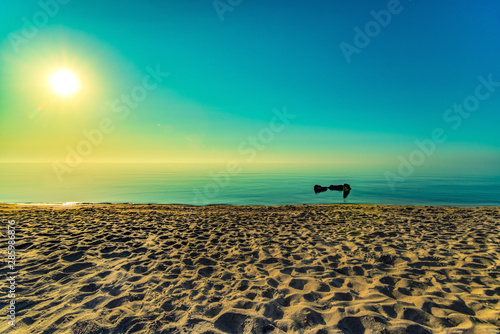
[[64, 82]]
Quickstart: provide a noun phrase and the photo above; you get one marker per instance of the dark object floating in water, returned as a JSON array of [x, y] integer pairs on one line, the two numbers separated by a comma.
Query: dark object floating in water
[[346, 189], [319, 189]]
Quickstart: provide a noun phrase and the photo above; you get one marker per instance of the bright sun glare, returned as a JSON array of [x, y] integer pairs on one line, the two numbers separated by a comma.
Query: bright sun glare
[[64, 82]]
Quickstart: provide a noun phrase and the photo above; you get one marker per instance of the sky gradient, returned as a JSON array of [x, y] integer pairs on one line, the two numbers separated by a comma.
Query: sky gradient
[[229, 78]]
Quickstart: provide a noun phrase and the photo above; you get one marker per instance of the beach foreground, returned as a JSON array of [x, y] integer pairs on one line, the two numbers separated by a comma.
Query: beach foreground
[[236, 269]]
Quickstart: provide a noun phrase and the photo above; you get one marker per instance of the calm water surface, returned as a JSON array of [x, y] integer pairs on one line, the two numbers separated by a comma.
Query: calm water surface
[[256, 185]]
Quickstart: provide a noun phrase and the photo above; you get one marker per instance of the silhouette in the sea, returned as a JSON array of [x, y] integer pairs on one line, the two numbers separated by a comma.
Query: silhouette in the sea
[[346, 188]]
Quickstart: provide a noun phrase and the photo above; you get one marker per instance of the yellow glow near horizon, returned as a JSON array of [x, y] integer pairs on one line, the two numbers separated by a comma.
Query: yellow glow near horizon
[[64, 82]]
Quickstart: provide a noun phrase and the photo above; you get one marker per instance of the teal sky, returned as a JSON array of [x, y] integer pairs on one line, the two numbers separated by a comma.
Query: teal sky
[[226, 77]]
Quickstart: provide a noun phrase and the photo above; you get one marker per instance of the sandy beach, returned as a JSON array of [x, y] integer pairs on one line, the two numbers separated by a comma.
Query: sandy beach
[[245, 269]]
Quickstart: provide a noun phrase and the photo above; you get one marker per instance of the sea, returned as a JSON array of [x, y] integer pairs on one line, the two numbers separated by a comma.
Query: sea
[[256, 184]]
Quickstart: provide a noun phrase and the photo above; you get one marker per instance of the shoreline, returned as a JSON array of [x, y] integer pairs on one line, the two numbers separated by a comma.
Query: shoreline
[[73, 204]]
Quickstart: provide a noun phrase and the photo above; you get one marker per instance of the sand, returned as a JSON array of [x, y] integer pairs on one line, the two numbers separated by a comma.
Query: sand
[[235, 269]]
